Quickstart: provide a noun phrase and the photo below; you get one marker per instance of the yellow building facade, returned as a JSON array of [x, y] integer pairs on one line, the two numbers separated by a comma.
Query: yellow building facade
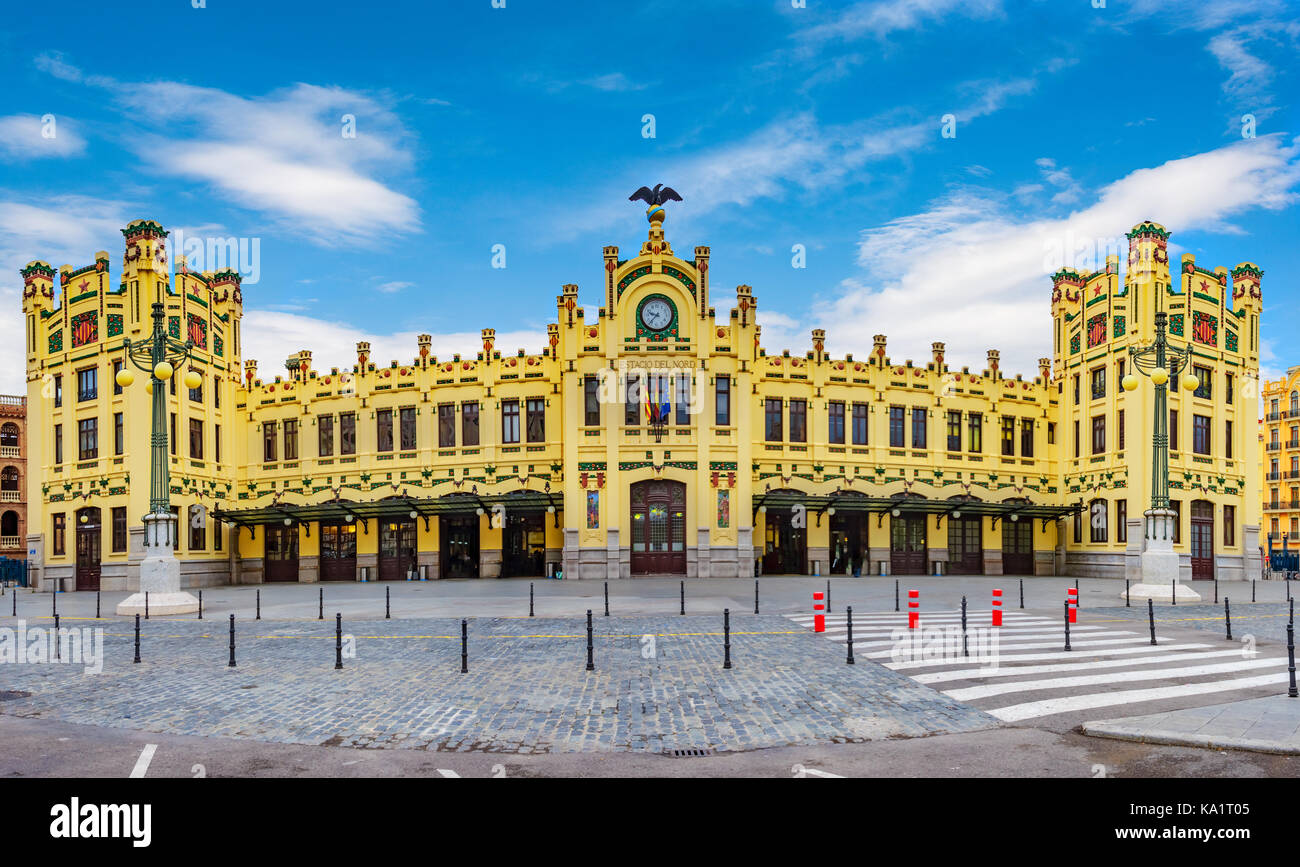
[[658, 437], [1280, 460]]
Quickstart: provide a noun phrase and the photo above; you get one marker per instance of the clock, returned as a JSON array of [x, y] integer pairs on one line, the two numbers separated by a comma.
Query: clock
[[656, 314]]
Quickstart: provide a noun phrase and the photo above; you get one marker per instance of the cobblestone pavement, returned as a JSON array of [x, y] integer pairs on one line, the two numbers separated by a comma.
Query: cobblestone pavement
[[526, 691], [1264, 620]]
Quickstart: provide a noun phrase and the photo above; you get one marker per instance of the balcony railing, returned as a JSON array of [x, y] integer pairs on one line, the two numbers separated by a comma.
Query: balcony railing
[[11, 496], [11, 541], [10, 452], [1282, 504], [1272, 447], [1272, 477], [1293, 444]]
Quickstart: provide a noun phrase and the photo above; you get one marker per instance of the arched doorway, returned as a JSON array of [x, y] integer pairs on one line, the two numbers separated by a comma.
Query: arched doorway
[[658, 527], [88, 548], [9, 526], [1202, 539]]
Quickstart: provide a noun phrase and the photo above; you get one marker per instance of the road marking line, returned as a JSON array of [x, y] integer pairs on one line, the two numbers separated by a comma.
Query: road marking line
[[1115, 677], [1060, 654], [1051, 706], [880, 654], [813, 772], [449, 773], [142, 763], [1017, 670]]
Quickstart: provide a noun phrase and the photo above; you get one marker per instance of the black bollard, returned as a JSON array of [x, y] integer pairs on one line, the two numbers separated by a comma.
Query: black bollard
[[591, 664], [1077, 601], [321, 614], [1067, 626], [1290, 659], [1227, 618], [726, 638], [828, 596], [1022, 593], [849, 659], [755, 595], [388, 604], [200, 606], [464, 646], [964, 650], [1173, 591], [683, 598], [1216, 589], [97, 603], [1151, 618], [530, 599], [137, 638], [1128, 603], [259, 603], [338, 640], [895, 595], [606, 598], [1252, 589], [231, 664], [146, 605], [15, 602], [54, 602]]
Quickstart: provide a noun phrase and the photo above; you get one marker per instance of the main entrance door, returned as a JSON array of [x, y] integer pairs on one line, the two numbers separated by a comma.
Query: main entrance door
[[907, 545], [525, 545], [88, 548], [459, 556], [658, 527], [338, 552], [848, 543], [396, 549], [1202, 539], [785, 549], [281, 562], [1017, 547], [966, 546]]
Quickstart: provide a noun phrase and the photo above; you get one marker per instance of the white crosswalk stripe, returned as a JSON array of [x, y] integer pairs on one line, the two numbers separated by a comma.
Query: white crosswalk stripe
[[1031, 676]]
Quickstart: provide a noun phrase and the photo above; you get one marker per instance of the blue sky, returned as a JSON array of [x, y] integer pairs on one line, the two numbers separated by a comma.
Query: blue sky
[[522, 126]]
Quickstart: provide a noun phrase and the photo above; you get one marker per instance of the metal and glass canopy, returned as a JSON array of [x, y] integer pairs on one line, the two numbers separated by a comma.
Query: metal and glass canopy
[[911, 504]]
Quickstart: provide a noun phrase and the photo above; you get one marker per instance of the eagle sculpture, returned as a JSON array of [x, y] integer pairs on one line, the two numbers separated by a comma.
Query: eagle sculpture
[[657, 196]]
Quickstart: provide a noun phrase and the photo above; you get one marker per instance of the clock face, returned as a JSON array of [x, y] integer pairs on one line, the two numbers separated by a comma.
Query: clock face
[[656, 314]]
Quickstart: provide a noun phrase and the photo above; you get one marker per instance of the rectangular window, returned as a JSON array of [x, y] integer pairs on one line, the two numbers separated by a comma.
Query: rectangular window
[[172, 438], [510, 421], [1227, 389], [1076, 389], [1201, 434], [1229, 525], [198, 532], [1097, 522], [60, 532], [119, 434], [216, 403], [722, 400], [290, 439], [216, 448], [1098, 383], [171, 386], [975, 429], [88, 439], [798, 421], [1076, 438], [591, 400], [446, 425], [1205, 390], [920, 435], [536, 407], [119, 529], [87, 384], [325, 435], [835, 422], [268, 441], [1173, 430], [1051, 433], [1119, 431], [684, 399], [217, 533], [1119, 374], [632, 401], [1098, 434], [954, 430], [1026, 438], [1177, 508], [58, 391], [196, 394], [1008, 436], [469, 423], [772, 421], [58, 444], [384, 430], [196, 439], [896, 432], [860, 424], [347, 433], [1121, 521], [406, 425], [1227, 440], [1078, 527], [117, 368]]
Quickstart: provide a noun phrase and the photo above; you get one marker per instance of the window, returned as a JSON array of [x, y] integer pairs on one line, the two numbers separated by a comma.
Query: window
[[1051, 433], [536, 419], [58, 391], [119, 529], [384, 430], [954, 430], [469, 423], [88, 439], [347, 433], [87, 384], [1227, 440], [896, 433], [835, 422], [172, 438], [632, 401], [171, 385], [117, 368], [1098, 434], [591, 400], [196, 439], [684, 399], [198, 529], [1119, 374], [446, 425], [324, 435], [1026, 438], [918, 427], [1078, 527], [406, 425], [1076, 438], [1008, 436], [1121, 521], [1076, 389], [1098, 383], [1230, 525], [291, 439], [175, 510], [60, 533], [58, 443], [268, 441], [1119, 431], [1177, 507], [1173, 430], [119, 437], [1227, 389], [216, 403], [216, 536], [722, 400], [975, 431], [859, 424], [1205, 390], [1097, 521], [798, 421], [772, 420], [216, 447], [510, 421], [1201, 434], [196, 394]]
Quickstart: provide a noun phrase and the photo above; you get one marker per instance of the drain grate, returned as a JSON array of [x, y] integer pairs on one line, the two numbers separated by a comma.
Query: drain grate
[[689, 753], [13, 694]]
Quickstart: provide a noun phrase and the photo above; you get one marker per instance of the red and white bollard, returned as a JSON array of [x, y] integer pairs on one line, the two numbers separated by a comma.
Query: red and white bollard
[[997, 607], [819, 612], [913, 608], [1074, 605]]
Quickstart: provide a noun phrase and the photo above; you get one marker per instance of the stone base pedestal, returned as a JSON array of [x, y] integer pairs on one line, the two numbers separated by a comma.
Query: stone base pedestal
[[1160, 563], [160, 573]]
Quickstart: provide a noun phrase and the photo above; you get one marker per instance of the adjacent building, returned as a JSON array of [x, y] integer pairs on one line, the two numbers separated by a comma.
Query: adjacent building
[[1280, 461], [13, 478], [657, 437]]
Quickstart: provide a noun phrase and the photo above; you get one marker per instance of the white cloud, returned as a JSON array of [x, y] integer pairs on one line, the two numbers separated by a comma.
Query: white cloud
[[27, 136], [393, 286], [880, 18]]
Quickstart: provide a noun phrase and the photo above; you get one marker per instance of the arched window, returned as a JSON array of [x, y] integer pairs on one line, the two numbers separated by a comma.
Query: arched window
[[1098, 521], [9, 479], [9, 524], [1295, 401], [198, 528], [9, 434]]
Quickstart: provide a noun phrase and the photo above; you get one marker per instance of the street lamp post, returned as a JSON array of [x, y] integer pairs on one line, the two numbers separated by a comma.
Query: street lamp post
[[1160, 362], [159, 356]]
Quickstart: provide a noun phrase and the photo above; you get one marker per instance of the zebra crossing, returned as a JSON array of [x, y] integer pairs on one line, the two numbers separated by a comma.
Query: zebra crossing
[[1021, 671]]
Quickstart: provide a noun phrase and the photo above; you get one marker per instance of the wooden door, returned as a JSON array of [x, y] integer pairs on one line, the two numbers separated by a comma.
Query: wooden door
[[338, 552], [907, 549], [658, 527], [396, 549], [1017, 547], [966, 546], [89, 540], [281, 562], [459, 556], [1202, 540]]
